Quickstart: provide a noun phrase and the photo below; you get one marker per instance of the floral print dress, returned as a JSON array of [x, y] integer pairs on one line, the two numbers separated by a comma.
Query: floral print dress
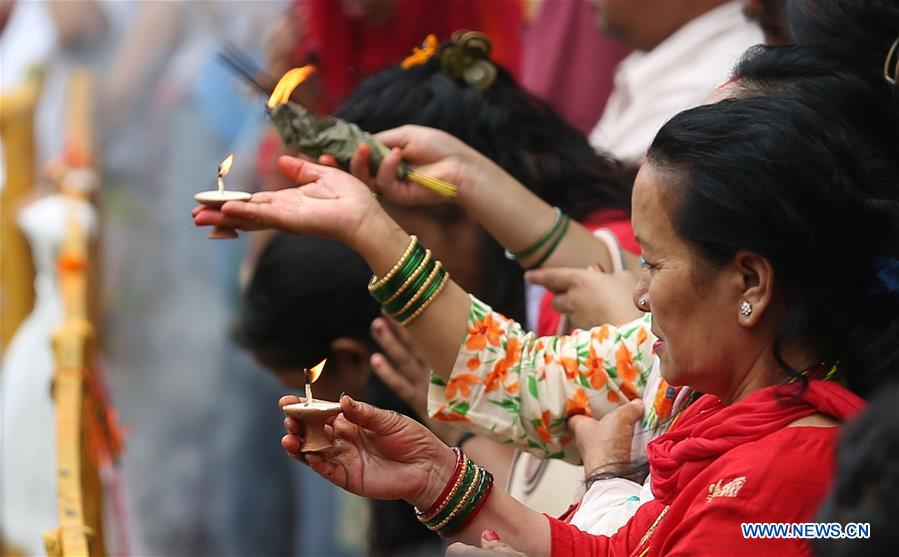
[[519, 389]]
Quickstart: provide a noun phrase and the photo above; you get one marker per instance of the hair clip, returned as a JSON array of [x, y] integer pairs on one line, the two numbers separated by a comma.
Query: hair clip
[[468, 58], [886, 64], [419, 56]]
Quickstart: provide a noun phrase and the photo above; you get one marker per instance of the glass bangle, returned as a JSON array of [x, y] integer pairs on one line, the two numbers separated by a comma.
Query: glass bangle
[[532, 249], [414, 287], [555, 243], [386, 286]]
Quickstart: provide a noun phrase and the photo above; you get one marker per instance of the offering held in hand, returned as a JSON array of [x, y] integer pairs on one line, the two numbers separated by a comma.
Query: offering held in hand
[[315, 134], [216, 198], [313, 413]]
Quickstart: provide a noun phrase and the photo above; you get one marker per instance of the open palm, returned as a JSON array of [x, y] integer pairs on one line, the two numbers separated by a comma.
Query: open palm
[[328, 203]]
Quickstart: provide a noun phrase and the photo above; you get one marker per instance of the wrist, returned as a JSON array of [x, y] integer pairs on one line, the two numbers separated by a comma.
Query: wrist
[[380, 241], [439, 474]]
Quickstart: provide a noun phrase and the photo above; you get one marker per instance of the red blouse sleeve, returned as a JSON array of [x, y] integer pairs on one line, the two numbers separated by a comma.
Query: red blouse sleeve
[[569, 541]]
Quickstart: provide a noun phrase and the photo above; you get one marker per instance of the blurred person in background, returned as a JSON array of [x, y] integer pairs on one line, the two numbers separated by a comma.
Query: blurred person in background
[[307, 300], [200, 475], [683, 49]]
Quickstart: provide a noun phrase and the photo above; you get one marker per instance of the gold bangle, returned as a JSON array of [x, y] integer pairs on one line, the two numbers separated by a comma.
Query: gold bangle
[[422, 290], [462, 502], [449, 495], [378, 283], [426, 303], [424, 263]]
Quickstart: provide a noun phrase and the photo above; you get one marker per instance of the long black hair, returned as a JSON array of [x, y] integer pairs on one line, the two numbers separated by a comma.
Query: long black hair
[[506, 123], [814, 197]]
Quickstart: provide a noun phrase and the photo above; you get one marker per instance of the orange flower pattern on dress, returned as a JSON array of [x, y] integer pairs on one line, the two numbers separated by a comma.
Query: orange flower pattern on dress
[[625, 364], [578, 404], [484, 332], [596, 369], [513, 387], [446, 414], [543, 429], [461, 384]]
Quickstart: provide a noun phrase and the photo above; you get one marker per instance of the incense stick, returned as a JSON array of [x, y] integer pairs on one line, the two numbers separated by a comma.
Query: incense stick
[[442, 187]]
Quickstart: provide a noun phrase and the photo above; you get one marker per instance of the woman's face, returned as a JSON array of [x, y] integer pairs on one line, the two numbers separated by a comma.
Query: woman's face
[[693, 304]]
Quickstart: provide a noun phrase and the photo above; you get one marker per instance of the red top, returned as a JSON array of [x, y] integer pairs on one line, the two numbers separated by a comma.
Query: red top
[[348, 50], [737, 464]]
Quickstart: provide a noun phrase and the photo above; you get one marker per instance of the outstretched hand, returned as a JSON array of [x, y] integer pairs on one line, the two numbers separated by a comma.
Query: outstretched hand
[[376, 453], [328, 203]]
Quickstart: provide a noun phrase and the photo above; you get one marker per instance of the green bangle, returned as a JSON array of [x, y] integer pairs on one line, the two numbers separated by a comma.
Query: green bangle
[[532, 249], [424, 263], [414, 287], [469, 507], [391, 283], [427, 301], [460, 505], [427, 286], [552, 247], [457, 497], [422, 298]]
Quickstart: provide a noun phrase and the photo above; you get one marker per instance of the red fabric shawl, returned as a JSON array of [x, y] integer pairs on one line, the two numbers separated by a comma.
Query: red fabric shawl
[[708, 428]]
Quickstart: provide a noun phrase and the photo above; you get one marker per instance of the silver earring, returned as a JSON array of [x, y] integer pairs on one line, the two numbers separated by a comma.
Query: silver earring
[[746, 308], [642, 303]]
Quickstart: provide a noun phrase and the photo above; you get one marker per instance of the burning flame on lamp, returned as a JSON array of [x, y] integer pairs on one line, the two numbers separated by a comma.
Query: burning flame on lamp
[[312, 376], [225, 165], [288, 82]]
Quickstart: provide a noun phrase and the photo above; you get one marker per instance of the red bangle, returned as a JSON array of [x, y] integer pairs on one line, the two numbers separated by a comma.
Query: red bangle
[[474, 512], [460, 460]]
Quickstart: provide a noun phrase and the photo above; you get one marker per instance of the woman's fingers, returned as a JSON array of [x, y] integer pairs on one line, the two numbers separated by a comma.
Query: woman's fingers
[[291, 444], [288, 399], [388, 168], [359, 163], [293, 425], [396, 349], [556, 279], [207, 217], [300, 171], [372, 418], [397, 137], [328, 160], [398, 330], [396, 381]]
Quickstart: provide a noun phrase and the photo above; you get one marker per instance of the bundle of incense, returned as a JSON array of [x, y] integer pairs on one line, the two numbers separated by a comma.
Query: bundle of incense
[[315, 135]]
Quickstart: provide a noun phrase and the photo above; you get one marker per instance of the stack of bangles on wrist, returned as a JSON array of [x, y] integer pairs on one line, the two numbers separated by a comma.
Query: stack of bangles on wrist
[[550, 240], [461, 500], [411, 285]]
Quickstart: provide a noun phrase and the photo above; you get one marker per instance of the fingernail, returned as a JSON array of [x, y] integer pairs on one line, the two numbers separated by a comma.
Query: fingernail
[[378, 328], [490, 535]]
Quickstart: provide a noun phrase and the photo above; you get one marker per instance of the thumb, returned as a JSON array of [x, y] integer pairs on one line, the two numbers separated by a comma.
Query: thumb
[[631, 412], [372, 418], [300, 171], [397, 137]]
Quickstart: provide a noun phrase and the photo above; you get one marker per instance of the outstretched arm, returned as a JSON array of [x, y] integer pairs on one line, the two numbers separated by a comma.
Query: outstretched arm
[[509, 211]]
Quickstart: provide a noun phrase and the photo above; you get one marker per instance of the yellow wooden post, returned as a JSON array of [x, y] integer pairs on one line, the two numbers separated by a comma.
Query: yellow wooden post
[[16, 269]]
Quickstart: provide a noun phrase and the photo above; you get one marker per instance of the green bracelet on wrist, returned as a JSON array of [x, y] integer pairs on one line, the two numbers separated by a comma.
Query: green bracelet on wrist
[[555, 243], [533, 248]]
